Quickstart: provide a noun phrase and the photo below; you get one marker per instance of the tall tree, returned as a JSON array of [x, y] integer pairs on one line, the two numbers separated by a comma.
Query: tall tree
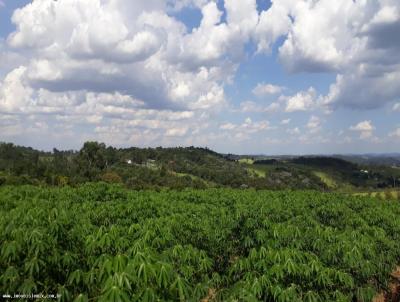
[[92, 159]]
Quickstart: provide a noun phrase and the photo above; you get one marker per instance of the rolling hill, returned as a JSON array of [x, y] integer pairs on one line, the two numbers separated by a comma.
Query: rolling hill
[[182, 167]]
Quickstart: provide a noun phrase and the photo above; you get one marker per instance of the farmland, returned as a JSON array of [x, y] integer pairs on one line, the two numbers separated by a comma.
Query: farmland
[[102, 242], [385, 195]]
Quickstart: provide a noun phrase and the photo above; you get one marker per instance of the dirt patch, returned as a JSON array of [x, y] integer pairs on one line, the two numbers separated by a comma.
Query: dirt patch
[[396, 274], [379, 298], [210, 296], [394, 289]]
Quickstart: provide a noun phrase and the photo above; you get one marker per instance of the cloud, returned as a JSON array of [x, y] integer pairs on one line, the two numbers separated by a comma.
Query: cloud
[[301, 101], [272, 24], [157, 43], [176, 132], [228, 126], [266, 89], [396, 107], [294, 131], [120, 71], [142, 52], [2, 4], [351, 38], [246, 129], [365, 128], [383, 26], [395, 133], [9, 59], [314, 124], [135, 49], [369, 87], [250, 106], [318, 39], [131, 71]]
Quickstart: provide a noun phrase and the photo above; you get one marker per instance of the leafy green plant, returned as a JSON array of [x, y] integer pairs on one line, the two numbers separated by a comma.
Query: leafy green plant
[[100, 242]]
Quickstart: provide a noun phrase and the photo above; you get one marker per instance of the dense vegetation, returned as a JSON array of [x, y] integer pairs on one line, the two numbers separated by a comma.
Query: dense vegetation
[[102, 242], [368, 176], [179, 168], [137, 168], [336, 173]]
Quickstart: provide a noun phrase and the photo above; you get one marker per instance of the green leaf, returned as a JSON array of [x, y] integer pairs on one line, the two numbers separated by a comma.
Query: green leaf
[[81, 298], [181, 288], [164, 276], [76, 277]]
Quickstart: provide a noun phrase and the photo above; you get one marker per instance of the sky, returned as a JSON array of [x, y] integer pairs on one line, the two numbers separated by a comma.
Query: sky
[[244, 77]]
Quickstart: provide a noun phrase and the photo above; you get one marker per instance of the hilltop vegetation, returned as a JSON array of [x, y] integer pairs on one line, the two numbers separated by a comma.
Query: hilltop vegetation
[[335, 174], [352, 174], [104, 243], [134, 167], [179, 168], [138, 168]]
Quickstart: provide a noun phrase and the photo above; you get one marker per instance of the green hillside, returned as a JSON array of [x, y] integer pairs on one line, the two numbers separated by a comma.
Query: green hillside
[[190, 167], [143, 168], [337, 174]]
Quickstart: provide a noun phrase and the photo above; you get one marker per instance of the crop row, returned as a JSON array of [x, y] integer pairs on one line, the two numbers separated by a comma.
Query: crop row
[[104, 243]]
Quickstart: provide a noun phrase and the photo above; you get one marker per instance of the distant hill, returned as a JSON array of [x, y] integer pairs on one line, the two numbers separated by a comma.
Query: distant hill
[[179, 168], [385, 159], [320, 161], [335, 172], [390, 159]]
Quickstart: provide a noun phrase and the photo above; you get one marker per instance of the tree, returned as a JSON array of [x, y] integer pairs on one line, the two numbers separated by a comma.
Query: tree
[[91, 159], [60, 162], [111, 177], [111, 156]]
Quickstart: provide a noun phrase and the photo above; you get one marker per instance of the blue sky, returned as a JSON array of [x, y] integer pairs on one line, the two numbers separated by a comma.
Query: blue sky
[[281, 77]]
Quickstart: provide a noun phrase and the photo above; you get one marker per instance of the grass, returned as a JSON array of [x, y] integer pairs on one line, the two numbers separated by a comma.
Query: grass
[[194, 177], [385, 195], [325, 178], [395, 194], [246, 161], [257, 172]]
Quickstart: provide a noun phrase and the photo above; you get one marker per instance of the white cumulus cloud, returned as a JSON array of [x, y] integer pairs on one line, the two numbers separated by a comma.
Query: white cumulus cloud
[[249, 106], [355, 39], [266, 89], [365, 128], [395, 133], [132, 71], [301, 101], [314, 124]]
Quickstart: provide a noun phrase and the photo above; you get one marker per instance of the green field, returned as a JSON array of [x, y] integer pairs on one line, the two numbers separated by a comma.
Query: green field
[[246, 161], [256, 172], [101, 242], [329, 181], [384, 195], [208, 184]]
